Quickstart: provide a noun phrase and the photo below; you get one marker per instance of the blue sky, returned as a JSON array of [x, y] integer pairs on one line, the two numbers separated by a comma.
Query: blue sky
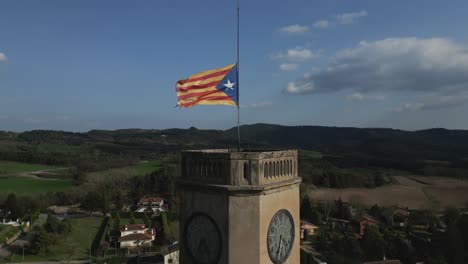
[[81, 65]]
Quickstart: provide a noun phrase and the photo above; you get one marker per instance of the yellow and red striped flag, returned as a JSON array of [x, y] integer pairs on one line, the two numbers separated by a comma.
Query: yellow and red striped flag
[[212, 87]]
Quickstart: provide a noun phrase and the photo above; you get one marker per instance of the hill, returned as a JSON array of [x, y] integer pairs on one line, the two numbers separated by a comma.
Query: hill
[[343, 146]]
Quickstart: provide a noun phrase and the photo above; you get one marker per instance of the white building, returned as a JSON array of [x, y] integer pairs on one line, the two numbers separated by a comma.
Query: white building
[[155, 204], [136, 235], [308, 228]]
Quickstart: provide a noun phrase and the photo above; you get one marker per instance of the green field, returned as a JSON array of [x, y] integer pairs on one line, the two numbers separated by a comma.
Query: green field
[[76, 243], [23, 185], [8, 167], [139, 169], [146, 167]]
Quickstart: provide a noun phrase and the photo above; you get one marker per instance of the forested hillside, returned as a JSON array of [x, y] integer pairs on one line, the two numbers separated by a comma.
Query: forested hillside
[[430, 152]]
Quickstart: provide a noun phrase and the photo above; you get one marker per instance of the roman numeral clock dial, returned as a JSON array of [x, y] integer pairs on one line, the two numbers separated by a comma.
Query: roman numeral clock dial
[[202, 239], [280, 236]]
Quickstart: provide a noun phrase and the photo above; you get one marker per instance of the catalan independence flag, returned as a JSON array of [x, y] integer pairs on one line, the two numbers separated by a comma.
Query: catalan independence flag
[[212, 87]]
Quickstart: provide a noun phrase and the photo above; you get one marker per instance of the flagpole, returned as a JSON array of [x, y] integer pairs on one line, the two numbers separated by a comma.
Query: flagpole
[[238, 87]]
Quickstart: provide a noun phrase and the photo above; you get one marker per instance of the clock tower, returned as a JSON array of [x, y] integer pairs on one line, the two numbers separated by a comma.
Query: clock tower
[[239, 207]]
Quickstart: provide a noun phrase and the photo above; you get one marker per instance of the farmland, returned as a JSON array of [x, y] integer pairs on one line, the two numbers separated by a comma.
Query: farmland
[[415, 192], [22, 178], [24, 185], [8, 167]]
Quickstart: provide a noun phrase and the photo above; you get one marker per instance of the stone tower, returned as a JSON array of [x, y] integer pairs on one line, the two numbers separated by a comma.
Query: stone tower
[[239, 207]]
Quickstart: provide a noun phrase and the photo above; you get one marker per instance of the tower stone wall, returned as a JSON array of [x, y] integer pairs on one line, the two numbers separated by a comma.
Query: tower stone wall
[[240, 191]]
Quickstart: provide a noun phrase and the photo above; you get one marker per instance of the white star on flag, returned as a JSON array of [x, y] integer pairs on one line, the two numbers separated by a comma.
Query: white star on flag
[[229, 85]]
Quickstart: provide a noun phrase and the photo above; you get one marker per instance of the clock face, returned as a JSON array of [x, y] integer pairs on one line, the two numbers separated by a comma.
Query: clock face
[[202, 239], [280, 237]]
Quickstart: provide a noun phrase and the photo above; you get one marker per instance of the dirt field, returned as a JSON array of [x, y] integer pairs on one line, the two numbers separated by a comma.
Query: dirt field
[[415, 192]]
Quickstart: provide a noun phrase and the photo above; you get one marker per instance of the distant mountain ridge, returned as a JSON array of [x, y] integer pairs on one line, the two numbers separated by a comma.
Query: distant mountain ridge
[[385, 143]]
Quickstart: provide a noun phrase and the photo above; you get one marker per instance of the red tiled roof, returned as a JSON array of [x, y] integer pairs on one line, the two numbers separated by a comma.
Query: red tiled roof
[[150, 199], [401, 212], [368, 218], [132, 227], [307, 225], [133, 237]]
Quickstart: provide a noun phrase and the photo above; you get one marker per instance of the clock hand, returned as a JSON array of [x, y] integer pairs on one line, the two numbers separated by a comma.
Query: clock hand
[[280, 245]]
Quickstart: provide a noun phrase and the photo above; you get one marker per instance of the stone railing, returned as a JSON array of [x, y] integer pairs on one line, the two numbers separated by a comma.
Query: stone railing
[[228, 167]]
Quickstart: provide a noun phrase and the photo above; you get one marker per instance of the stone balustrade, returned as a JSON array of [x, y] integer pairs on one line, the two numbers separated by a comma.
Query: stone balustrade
[[239, 168]]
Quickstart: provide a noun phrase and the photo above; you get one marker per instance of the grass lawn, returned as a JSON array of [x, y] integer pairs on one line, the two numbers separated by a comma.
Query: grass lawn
[[126, 221], [129, 171], [76, 243], [147, 167], [7, 167], [20, 185]]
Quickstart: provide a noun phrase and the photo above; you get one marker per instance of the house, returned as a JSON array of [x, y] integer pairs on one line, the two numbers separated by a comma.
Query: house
[[171, 256], [400, 216], [359, 224], [307, 229], [16, 222], [136, 235], [153, 203]]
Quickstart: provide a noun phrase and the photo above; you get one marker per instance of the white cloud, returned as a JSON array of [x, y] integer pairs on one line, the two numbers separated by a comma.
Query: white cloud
[[349, 18], [258, 105], [295, 88], [434, 65], [296, 54], [321, 24], [294, 29], [3, 57], [365, 97], [288, 66]]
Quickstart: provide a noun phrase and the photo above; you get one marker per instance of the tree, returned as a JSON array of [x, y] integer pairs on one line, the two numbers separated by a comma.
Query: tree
[[104, 204], [451, 215], [166, 228], [91, 202], [343, 210], [12, 208], [78, 176], [306, 208], [132, 219], [115, 220], [353, 249], [55, 226], [52, 224], [463, 226], [146, 220], [372, 243], [316, 217], [41, 241], [118, 200], [456, 248], [388, 214], [326, 208], [375, 211]]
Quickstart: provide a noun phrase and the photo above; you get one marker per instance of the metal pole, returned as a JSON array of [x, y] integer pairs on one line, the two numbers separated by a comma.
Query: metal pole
[[237, 65]]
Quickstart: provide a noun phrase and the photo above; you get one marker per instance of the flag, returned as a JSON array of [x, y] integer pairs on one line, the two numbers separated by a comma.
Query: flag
[[212, 87]]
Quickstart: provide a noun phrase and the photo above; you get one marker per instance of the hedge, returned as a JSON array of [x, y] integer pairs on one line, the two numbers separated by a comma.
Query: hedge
[[98, 238]]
